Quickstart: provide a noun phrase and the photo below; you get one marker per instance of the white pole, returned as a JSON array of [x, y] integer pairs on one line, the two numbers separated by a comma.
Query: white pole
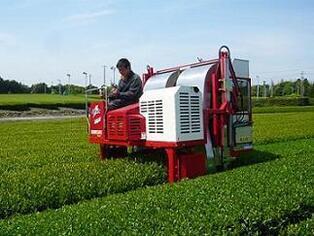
[[59, 86], [257, 87], [113, 74], [105, 75], [86, 111], [69, 76]]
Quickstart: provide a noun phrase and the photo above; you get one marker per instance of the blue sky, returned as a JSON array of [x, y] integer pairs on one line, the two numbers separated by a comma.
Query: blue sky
[[43, 40]]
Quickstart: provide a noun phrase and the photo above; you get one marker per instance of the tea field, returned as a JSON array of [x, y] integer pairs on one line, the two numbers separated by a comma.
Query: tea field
[[19, 102], [53, 101], [19, 99], [52, 183]]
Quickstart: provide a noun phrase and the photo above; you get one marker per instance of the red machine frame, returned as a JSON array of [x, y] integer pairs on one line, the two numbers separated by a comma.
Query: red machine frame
[[124, 127]]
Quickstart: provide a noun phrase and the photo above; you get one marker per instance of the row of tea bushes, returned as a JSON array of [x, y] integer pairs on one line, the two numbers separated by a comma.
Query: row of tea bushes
[[53, 186], [255, 199], [281, 101], [34, 144], [29, 145], [305, 227], [269, 128]]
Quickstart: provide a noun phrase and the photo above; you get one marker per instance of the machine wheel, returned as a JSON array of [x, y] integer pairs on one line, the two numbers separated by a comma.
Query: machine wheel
[[112, 152], [118, 152]]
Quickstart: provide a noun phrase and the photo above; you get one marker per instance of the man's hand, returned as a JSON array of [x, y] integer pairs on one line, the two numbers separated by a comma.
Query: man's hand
[[114, 93]]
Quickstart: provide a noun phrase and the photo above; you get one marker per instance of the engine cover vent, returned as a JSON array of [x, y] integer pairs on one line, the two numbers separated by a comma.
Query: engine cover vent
[[173, 114], [190, 113], [154, 112]]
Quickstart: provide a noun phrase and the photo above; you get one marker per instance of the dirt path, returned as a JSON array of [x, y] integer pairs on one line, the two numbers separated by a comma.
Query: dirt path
[[41, 114], [39, 118]]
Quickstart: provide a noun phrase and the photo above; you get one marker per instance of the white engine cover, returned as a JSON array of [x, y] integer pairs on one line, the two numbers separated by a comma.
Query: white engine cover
[[173, 114]]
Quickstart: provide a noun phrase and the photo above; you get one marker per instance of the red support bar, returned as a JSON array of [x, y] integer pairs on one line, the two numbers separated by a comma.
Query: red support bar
[[203, 63], [214, 101], [217, 111], [223, 56], [223, 107], [222, 130], [147, 75], [172, 165]]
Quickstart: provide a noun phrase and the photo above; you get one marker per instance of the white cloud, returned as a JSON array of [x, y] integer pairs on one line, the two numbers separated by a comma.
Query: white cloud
[[89, 15]]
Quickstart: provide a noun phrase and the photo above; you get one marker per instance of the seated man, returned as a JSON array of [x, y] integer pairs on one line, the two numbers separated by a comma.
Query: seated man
[[129, 89]]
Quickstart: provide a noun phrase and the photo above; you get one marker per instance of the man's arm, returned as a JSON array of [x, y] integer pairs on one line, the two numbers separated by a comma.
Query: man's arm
[[134, 92], [113, 92]]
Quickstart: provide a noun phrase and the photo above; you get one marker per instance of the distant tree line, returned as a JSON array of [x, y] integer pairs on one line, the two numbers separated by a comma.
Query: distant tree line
[[299, 87], [12, 86]]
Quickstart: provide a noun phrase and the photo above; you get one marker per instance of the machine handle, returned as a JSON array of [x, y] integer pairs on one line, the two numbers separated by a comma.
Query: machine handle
[[87, 91], [224, 47], [91, 90]]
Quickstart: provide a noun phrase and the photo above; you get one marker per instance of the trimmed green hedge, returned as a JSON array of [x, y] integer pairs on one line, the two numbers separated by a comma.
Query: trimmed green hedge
[[32, 144], [49, 101], [276, 109], [53, 186], [256, 199], [21, 102], [269, 128], [280, 101]]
